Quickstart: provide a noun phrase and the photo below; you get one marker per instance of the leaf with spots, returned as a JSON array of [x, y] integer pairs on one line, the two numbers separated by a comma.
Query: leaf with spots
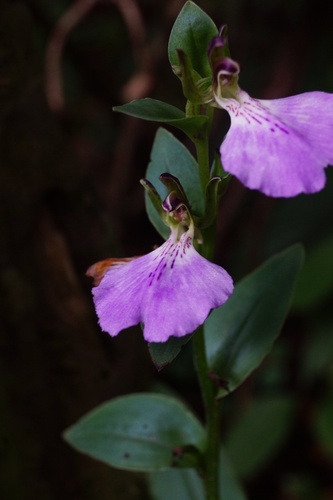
[[143, 432]]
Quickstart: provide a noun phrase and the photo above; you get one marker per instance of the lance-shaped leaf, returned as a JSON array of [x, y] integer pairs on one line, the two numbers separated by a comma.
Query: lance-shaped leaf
[[142, 432], [240, 333], [171, 156], [158, 111], [192, 33]]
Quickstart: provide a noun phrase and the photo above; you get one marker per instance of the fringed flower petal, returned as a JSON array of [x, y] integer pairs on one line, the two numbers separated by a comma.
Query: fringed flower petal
[[170, 290]]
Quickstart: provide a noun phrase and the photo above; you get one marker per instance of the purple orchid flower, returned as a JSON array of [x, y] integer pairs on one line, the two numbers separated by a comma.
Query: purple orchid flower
[[278, 146], [171, 290]]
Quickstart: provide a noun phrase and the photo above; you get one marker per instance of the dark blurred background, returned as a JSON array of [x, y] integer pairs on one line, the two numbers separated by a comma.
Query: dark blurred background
[[70, 196]]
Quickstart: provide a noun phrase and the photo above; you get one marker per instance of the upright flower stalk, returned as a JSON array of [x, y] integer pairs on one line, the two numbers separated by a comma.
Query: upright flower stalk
[[279, 147], [208, 390], [212, 416]]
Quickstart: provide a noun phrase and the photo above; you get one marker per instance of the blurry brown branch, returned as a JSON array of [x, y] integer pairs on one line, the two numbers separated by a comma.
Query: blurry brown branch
[[67, 22], [138, 85], [141, 82]]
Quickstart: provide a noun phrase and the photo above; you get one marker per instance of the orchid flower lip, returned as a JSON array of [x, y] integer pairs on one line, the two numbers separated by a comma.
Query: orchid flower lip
[[171, 291], [279, 146]]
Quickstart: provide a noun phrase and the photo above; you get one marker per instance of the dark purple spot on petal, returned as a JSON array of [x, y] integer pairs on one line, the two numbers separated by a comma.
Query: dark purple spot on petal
[[161, 271], [173, 262], [254, 118], [281, 128]]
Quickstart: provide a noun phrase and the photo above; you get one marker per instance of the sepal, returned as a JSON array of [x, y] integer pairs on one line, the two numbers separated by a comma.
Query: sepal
[[211, 204], [225, 70], [155, 199], [172, 184], [219, 46]]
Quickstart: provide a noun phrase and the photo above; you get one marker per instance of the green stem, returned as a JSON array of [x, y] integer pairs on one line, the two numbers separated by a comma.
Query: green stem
[[201, 140], [212, 417], [208, 389]]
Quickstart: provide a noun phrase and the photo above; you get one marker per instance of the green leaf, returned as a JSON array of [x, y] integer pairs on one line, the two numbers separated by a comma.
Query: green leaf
[[259, 434], [229, 485], [240, 333], [315, 281], [169, 155], [163, 353], [151, 109], [192, 33], [140, 432], [323, 424], [176, 484], [185, 484], [158, 111], [317, 356]]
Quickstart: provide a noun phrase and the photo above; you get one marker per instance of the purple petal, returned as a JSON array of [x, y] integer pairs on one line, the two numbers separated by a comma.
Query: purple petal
[[281, 146], [171, 290]]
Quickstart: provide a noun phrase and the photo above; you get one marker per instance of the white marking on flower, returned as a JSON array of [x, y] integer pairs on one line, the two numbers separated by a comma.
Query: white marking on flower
[[253, 112], [169, 256]]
